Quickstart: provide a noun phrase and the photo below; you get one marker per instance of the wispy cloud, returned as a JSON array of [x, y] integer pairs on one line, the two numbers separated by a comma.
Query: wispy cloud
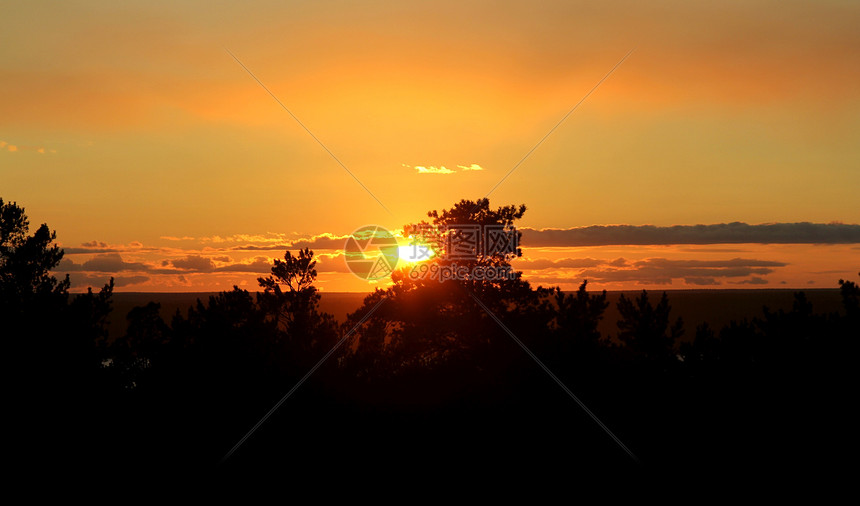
[[474, 166], [96, 247], [432, 169], [12, 148], [257, 265], [268, 238]]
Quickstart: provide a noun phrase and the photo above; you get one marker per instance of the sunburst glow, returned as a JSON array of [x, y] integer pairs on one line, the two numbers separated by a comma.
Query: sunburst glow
[[413, 253]]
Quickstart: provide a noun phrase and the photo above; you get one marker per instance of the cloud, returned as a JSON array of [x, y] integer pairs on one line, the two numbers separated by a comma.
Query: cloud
[[107, 262], [730, 233], [271, 242], [96, 281], [720, 264], [662, 271], [202, 264], [130, 280], [94, 244], [270, 237], [659, 271], [86, 251], [13, 148], [259, 265], [195, 263], [320, 241], [713, 250], [95, 247], [474, 166], [189, 264], [324, 241], [554, 280], [565, 263], [433, 170], [701, 281], [752, 281]]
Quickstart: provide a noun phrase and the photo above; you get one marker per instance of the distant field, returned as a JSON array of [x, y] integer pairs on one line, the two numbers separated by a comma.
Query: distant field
[[717, 307]]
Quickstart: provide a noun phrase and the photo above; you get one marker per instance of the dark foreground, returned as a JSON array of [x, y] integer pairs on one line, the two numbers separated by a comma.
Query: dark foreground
[[772, 391]]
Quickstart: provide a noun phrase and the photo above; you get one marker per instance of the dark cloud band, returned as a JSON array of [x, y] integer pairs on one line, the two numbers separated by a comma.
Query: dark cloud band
[[724, 233]]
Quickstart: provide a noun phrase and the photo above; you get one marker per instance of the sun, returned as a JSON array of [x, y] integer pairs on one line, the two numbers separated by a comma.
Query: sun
[[411, 252]]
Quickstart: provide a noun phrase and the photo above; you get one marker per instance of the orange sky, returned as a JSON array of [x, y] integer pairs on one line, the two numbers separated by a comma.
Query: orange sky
[[127, 126]]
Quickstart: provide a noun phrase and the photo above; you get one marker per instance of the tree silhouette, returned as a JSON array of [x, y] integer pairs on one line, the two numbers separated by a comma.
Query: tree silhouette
[[192, 388], [704, 349], [296, 272], [850, 299], [444, 225], [434, 323], [35, 310], [26, 283], [305, 334], [84, 338], [644, 328], [52, 348], [580, 313], [143, 345]]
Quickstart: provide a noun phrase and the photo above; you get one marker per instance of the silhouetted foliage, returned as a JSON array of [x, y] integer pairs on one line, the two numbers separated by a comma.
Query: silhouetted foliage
[[644, 328], [580, 313], [38, 318], [850, 299], [432, 324], [703, 349], [27, 287], [437, 365], [53, 345], [303, 332], [85, 336], [143, 344]]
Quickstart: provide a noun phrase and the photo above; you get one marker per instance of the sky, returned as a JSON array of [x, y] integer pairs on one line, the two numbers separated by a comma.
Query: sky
[[137, 131]]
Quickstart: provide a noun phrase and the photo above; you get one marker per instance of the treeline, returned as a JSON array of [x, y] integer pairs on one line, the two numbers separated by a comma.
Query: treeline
[[422, 371]]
